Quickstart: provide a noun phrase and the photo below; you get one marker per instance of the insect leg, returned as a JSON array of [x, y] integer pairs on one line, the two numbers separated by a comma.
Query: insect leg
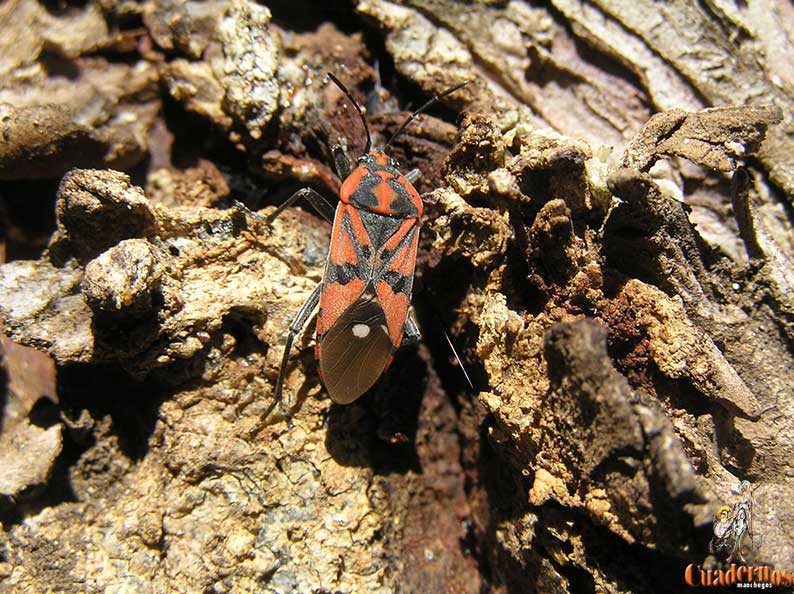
[[341, 162], [320, 204], [248, 212], [413, 175], [303, 315], [412, 334]]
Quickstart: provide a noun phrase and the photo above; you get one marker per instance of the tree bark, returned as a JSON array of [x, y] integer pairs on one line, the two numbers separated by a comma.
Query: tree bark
[[607, 244]]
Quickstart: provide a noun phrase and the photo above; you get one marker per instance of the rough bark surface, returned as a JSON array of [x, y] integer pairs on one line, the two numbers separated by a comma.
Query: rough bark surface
[[607, 243]]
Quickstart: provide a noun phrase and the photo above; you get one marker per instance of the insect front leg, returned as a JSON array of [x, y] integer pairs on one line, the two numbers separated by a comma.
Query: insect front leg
[[303, 315], [320, 204], [341, 161], [413, 176]]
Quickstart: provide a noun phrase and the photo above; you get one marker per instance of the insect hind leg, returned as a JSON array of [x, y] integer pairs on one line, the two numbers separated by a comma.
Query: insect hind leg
[[303, 315], [411, 335]]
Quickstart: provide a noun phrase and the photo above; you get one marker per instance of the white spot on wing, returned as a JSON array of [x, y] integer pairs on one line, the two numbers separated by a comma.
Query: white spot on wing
[[360, 330]]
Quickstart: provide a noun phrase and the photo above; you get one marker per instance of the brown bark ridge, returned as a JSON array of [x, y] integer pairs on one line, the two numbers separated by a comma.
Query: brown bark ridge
[[607, 243]]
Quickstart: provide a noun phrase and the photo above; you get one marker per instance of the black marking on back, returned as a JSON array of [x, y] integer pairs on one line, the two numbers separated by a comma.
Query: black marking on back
[[387, 256], [363, 251], [364, 195], [379, 227], [342, 273], [399, 283], [346, 272], [402, 205]]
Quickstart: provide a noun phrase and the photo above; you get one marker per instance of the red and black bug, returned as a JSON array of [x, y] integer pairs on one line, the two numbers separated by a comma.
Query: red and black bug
[[365, 292]]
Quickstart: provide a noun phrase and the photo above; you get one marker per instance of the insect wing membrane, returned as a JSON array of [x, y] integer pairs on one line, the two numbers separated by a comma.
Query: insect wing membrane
[[355, 350]]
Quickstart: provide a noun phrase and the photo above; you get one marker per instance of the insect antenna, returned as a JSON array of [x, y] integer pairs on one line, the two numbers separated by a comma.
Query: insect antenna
[[435, 99], [344, 89]]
